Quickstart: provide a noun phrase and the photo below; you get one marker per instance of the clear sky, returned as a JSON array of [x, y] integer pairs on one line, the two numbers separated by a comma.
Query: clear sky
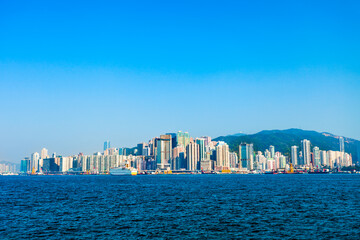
[[76, 73]]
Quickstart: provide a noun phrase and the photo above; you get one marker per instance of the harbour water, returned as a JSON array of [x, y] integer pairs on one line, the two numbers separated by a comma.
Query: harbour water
[[180, 207]]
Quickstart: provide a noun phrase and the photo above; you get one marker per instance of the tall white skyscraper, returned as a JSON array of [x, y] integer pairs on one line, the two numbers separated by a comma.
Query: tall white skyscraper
[[192, 156], [316, 152], [222, 154], [272, 151], [294, 155], [323, 158], [44, 153], [306, 151], [35, 161]]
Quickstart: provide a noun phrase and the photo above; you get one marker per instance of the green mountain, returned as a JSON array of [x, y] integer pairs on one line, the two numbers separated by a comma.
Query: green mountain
[[282, 140]]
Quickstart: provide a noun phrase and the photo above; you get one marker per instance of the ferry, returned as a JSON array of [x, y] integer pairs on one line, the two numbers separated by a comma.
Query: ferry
[[123, 171]]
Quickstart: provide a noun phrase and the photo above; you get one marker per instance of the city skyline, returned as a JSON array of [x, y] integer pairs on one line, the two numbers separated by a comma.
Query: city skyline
[[127, 71], [45, 152], [182, 153]]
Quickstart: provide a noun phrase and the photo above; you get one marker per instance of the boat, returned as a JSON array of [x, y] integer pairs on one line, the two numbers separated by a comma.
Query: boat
[[123, 171]]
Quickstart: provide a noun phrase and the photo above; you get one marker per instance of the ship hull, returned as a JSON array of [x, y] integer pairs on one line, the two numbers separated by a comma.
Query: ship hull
[[122, 171]]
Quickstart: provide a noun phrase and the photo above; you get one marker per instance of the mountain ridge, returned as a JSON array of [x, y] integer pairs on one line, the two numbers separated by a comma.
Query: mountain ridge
[[282, 140]]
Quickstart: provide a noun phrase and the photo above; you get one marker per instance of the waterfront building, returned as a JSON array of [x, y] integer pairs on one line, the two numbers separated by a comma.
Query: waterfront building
[[260, 160], [192, 156], [347, 160], [317, 158], [222, 155], [201, 143], [44, 153], [282, 162], [25, 165], [270, 164], [323, 158], [331, 157], [207, 165], [35, 161], [163, 151], [49, 165], [294, 155], [277, 160], [66, 163], [179, 158], [233, 160], [306, 152], [246, 155], [7, 168]]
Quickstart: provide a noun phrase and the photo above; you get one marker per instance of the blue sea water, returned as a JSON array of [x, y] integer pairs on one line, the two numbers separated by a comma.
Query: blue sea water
[[180, 207]]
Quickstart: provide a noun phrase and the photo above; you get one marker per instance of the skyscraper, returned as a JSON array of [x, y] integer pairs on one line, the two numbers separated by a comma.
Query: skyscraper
[[294, 155], [222, 155], [35, 161], [182, 138], [178, 158], [317, 162], [282, 161], [272, 151], [306, 151], [163, 151], [342, 144], [106, 145], [201, 143], [192, 156], [246, 154], [44, 153]]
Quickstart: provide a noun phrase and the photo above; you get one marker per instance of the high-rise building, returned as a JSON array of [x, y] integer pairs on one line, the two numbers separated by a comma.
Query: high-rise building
[[35, 161], [246, 155], [201, 143], [192, 156], [173, 139], [44, 153], [106, 145], [317, 162], [163, 151], [178, 158], [222, 155], [306, 152], [182, 138], [233, 160], [272, 151], [331, 158], [66, 163], [267, 154], [282, 162], [342, 144], [294, 155], [261, 161], [25, 165], [323, 158]]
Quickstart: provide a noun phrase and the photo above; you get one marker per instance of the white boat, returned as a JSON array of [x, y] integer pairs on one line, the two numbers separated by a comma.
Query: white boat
[[123, 171]]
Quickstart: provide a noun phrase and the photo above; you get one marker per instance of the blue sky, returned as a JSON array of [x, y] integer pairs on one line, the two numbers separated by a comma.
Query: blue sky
[[75, 74]]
